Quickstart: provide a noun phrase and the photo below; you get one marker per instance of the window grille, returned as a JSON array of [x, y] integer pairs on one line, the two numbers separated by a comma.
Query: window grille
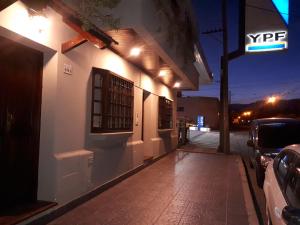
[[112, 102], [180, 109], [165, 118]]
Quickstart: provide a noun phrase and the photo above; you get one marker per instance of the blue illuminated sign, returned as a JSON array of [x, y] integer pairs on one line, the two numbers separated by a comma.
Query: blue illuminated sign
[[200, 122], [266, 47], [283, 9]]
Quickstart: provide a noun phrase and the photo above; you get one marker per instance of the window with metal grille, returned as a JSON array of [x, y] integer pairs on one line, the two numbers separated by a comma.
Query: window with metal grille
[[180, 109], [112, 102], [165, 119]]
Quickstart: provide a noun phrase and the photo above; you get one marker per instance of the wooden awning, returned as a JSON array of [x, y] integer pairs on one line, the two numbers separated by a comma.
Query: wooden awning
[[34, 4], [120, 41], [95, 35], [5, 3]]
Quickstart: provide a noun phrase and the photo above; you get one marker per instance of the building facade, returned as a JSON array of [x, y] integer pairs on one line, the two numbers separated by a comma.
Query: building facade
[[190, 108], [91, 110]]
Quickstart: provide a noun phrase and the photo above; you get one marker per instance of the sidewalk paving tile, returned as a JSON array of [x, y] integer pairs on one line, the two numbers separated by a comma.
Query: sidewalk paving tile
[[180, 189]]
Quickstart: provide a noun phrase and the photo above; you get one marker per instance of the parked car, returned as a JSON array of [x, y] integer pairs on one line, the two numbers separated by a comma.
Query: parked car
[[282, 187], [268, 137]]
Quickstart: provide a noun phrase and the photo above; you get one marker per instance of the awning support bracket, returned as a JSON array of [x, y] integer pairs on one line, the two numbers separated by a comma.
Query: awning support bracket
[[73, 43]]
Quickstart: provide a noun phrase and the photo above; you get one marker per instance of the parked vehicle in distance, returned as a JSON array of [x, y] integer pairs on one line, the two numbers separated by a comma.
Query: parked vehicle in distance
[[282, 187], [268, 137]]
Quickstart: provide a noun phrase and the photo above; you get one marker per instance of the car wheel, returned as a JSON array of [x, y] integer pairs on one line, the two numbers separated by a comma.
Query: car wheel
[[260, 176]]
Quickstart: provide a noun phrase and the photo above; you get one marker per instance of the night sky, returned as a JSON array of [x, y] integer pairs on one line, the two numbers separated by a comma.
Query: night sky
[[251, 77]]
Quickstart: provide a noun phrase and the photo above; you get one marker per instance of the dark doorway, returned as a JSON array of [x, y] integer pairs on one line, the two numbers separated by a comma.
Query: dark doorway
[[20, 112], [145, 96], [146, 126]]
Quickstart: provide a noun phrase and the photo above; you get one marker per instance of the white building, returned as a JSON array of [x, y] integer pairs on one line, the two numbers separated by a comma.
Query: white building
[[55, 148]]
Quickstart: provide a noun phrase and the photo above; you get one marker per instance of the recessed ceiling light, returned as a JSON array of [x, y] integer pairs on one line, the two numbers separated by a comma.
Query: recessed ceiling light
[[162, 73], [177, 84], [135, 51]]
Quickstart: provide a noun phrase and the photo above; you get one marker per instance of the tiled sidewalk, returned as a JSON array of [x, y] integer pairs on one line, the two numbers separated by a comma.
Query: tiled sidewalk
[[182, 188]]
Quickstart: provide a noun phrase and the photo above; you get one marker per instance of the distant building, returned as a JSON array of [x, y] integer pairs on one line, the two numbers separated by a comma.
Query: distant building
[[203, 108]]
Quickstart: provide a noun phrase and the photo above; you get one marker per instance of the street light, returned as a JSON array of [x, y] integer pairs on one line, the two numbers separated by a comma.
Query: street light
[[247, 113], [272, 100]]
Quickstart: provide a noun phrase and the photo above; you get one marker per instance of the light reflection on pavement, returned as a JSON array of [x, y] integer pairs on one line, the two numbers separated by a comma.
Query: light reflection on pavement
[[238, 145]]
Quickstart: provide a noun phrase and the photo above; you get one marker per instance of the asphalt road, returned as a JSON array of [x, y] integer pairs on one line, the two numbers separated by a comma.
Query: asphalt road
[[210, 140]]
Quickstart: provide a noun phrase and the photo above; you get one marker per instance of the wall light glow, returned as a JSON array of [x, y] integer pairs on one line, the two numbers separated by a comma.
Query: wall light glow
[[164, 91], [39, 22], [115, 64], [32, 25], [147, 83]]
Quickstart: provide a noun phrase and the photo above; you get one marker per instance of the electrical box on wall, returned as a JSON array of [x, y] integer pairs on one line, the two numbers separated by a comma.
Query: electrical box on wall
[[68, 69]]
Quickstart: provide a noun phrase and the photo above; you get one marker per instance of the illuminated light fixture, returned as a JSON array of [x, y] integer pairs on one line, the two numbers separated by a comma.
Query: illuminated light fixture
[[283, 9], [267, 41], [39, 20], [247, 113], [162, 73], [135, 51], [272, 100], [177, 84]]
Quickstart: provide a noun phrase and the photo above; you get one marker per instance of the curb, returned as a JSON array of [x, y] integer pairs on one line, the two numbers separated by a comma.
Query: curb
[[252, 216]]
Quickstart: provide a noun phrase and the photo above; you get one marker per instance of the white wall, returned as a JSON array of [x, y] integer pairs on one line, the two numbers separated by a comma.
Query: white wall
[[72, 160]]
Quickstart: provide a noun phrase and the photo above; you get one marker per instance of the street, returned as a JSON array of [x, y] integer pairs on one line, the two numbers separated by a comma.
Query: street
[[210, 141]]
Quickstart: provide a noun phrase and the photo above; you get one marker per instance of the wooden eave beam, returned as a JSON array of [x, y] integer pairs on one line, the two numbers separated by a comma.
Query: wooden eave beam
[[5, 3], [71, 18], [73, 43], [96, 41], [36, 5]]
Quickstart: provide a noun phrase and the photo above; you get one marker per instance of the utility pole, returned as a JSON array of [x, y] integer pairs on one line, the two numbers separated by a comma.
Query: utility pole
[[224, 145], [224, 117]]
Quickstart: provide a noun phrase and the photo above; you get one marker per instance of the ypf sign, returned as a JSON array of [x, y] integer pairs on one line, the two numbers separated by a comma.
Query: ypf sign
[[267, 41], [266, 23]]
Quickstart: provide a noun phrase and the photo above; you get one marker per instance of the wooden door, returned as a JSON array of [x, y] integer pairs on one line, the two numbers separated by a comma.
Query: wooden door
[[20, 106]]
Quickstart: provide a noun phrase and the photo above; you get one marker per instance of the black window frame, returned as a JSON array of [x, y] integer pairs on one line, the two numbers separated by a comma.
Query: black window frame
[[112, 102], [165, 113]]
